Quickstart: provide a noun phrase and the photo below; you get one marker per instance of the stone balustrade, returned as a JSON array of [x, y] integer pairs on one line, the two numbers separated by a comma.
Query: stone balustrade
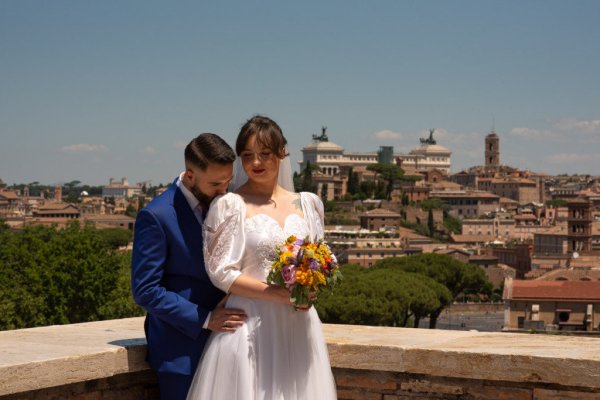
[[105, 360]]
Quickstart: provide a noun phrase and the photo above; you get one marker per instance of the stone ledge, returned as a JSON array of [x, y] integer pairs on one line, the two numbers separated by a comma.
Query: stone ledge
[[38, 358]]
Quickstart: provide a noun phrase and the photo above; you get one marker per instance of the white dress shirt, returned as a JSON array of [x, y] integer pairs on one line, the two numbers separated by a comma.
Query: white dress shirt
[[195, 206]]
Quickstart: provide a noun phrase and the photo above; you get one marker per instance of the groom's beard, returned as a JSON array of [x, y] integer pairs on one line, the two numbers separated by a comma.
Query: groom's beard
[[204, 199]]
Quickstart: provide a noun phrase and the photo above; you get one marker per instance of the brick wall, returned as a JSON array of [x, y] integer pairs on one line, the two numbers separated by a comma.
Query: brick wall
[[377, 385], [130, 386], [351, 384]]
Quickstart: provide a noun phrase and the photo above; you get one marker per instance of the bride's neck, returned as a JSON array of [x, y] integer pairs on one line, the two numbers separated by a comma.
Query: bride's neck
[[261, 190]]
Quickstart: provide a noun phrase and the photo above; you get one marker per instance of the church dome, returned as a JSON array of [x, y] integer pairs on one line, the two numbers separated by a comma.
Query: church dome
[[431, 149], [324, 146]]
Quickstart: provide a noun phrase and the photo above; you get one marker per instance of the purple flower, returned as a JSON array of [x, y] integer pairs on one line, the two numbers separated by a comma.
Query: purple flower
[[314, 265], [291, 260], [288, 273]]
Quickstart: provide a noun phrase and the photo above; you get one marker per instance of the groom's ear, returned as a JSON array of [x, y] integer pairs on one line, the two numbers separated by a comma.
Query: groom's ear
[[188, 174]]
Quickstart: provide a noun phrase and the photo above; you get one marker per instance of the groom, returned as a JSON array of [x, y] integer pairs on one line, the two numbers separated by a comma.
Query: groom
[[168, 278]]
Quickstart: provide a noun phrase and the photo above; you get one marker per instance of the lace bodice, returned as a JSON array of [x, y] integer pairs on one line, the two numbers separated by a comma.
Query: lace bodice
[[234, 244], [263, 234]]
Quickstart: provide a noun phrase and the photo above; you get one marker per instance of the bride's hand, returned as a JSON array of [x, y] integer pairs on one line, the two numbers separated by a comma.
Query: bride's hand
[[305, 307], [302, 307]]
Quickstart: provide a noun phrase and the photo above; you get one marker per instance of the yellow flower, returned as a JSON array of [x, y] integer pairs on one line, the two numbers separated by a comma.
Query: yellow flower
[[284, 256], [319, 277]]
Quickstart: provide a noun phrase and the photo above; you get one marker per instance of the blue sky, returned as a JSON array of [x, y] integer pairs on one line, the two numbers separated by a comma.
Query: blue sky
[[96, 89]]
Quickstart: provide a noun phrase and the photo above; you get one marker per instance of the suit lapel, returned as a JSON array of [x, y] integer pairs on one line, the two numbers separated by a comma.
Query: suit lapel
[[191, 230]]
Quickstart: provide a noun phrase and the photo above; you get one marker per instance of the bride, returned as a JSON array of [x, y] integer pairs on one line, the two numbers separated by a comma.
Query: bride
[[279, 351]]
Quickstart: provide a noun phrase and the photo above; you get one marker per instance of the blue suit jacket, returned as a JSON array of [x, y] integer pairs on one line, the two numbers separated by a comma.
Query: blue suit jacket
[[169, 281]]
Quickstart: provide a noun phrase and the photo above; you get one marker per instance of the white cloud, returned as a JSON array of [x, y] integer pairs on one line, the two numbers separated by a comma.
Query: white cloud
[[529, 133], [84, 148], [148, 150], [387, 135], [569, 124]]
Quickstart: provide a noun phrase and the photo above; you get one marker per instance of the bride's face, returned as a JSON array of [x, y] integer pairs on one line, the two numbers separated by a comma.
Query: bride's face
[[260, 163]]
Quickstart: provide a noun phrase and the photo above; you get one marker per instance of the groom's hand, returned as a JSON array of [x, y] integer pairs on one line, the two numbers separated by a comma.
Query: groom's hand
[[225, 319]]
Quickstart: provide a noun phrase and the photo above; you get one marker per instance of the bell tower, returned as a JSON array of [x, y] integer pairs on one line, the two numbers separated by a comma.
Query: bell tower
[[492, 151], [58, 193]]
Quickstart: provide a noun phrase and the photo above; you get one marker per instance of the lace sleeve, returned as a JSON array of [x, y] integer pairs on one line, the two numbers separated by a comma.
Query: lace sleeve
[[224, 240]]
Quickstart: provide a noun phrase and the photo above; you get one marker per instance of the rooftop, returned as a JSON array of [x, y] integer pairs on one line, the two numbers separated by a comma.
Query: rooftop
[[552, 290]]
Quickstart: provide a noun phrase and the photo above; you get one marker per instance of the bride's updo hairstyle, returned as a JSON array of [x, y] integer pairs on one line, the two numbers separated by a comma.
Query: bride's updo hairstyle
[[268, 134]]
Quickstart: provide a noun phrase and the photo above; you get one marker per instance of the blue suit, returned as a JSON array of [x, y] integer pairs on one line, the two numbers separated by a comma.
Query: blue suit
[[169, 281]]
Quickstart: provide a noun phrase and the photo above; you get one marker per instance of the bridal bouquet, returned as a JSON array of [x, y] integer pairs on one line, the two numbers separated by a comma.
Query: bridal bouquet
[[305, 268]]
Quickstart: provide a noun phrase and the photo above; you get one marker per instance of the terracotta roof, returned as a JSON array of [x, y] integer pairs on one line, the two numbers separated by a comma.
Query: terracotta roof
[[380, 212], [575, 274], [451, 251], [513, 180], [560, 230], [525, 217], [472, 238], [463, 195], [7, 194], [482, 257], [53, 207], [553, 290], [446, 185], [409, 233]]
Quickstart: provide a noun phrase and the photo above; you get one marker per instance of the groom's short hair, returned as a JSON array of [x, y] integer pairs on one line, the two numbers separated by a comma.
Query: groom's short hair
[[208, 148]]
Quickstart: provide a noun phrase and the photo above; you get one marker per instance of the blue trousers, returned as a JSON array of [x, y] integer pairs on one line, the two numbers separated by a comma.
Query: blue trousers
[[174, 386]]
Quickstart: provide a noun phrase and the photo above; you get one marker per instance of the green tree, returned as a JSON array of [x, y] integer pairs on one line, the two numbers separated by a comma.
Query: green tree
[[458, 277], [353, 185], [389, 174], [384, 296], [430, 223], [131, 211], [115, 237], [60, 276], [555, 203], [307, 182], [433, 203], [452, 224], [368, 189], [405, 200], [324, 190]]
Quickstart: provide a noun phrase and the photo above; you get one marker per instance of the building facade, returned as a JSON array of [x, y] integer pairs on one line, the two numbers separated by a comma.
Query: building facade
[[334, 162], [120, 189], [552, 305]]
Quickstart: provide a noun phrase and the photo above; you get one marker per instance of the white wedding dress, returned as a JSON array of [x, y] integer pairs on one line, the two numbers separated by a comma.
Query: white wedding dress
[[278, 353]]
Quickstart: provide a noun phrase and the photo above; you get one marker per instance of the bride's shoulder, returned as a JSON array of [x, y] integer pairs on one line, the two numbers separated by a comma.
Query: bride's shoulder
[[310, 196], [227, 201], [312, 199]]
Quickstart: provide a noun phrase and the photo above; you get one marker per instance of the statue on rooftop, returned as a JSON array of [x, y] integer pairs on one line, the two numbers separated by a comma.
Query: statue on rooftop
[[429, 140], [322, 137]]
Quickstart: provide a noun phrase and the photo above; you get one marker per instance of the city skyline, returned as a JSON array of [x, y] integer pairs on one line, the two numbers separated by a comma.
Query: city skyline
[[91, 91]]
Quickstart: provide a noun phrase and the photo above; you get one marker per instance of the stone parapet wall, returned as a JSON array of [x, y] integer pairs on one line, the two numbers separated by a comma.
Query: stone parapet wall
[[141, 385], [105, 360]]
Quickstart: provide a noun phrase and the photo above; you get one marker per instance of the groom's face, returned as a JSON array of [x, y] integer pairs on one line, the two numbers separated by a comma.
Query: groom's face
[[209, 183]]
